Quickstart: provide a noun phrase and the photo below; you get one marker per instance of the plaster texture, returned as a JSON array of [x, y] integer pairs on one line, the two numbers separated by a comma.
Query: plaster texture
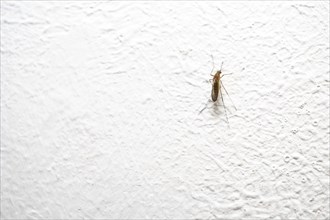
[[100, 107]]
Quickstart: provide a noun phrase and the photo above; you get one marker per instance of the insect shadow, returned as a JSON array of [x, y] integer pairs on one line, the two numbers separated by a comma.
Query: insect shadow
[[217, 86]]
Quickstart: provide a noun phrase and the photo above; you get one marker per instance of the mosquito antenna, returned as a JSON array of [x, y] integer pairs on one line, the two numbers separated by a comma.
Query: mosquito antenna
[[212, 65], [228, 95], [221, 66]]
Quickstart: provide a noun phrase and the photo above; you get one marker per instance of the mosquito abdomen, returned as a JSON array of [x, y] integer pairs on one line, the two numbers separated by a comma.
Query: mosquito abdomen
[[215, 91]]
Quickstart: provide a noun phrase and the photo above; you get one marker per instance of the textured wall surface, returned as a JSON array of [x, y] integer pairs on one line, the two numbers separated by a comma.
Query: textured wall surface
[[100, 110]]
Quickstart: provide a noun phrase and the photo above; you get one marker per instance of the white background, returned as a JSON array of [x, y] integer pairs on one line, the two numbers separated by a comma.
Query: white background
[[100, 110]]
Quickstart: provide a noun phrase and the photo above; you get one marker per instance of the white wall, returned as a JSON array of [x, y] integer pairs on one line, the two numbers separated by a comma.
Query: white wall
[[100, 103]]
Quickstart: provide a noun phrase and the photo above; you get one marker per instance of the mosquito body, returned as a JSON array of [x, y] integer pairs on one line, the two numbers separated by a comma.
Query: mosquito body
[[217, 87]]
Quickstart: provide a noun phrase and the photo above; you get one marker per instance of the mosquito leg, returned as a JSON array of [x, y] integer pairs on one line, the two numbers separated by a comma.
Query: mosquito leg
[[228, 95], [202, 110], [204, 107], [224, 106], [226, 75]]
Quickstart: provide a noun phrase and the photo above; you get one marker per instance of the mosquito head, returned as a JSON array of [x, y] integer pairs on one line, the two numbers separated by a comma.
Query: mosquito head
[[217, 75]]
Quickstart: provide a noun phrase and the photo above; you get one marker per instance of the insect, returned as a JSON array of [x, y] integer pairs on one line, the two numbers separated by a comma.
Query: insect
[[217, 86]]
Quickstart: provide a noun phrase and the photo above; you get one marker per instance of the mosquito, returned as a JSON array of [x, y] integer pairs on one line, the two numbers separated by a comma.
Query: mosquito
[[216, 88]]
